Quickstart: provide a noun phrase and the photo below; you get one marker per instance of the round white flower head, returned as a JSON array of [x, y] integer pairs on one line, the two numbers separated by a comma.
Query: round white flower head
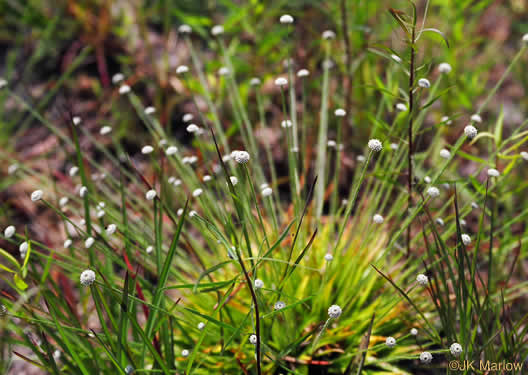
[[89, 242], [9, 231], [440, 222], [394, 146], [426, 357], [242, 157], [87, 277], [201, 325], [259, 284], [446, 120], [396, 58], [303, 73], [76, 120], [476, 118], [23, 248], [171, 150], [217, 30], [197, 192], [147, 149], [463, 222], [150, 195], [150, 110], [187, 117], [444, 153], [149, 249], [255, 81], [390, 342], [266, 192], [36, 195], [118, 77], [427, 179], [193, 213], [328, 64], [253, 339], [67, 243], [433, 192], [422, 279], [82, 191], [73, 171], [466, 239], [470, 131], [111, 229], [328, 34], [279, 305], [331, 143], [524, 155], [177, 182], [179, 212], [184, 29], [182, 69], [424, 83], [492, 172], [444, 68], [234, 180], [375, 145], [281, 81], [455, 349], [100, 213], [207, 178], [264, 185], [328, 257], [414, 331], [105, 130], [340, 112], [286, 19], [334, 311], [129, 370], [3, 83], [124, 89], [192, 128], [378, 219], [12, 168], [185, 353], [223, 71], [401, 107], [525, 38], [286, 124]]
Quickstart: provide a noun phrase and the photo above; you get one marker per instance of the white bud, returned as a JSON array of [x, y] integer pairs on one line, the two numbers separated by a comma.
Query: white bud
[[328, 34], [241, 157], [286, 124], [303, 73], [217, 30], [254, 81], [197, 192], [207, 178], [394, 146], [525, 38], [201, 325], [426, 357], [401, 107], [105, 130], [89, 242], [234, 180], [455, 349], [439, 221], [396, 58], [100, 214], [187, 117], [110, 229], [259, 284], [184, 29], [147, 149], [375, 145], [124, 89], [427, 179], [266, 192], [422, 279], [179, 212], [87, 277], [73, 171], [171, 150], [223, 71], [192, 128], [177, 182], [414, 331], [446, 120], [424, 83], [361, 158], [328, 257], [82, 191], [193, 213], [279, 305], [149, 249], [476, 118], [331, 143], [340, 112], [118, 77], [36, 195], [9, 231], [182, 69], [150, 195], [492, 172], [286, 19], [390, 342], [12, 169], [3, 83], [444, 68], [281, 81], [253, 339], [444, 153], [150, 110], [524, 155], [378, 219], [23, 248], [470, 131], [334, 311], [466, 239], [67, 243]]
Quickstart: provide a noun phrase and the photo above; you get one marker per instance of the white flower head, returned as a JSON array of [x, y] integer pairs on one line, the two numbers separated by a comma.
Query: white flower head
[[89, 242], [444, 68], [149, 249], [524, 155], [394, 146], [234, 180], [197, 192], [470, 131], [201, 325], [179, 212], [455, 349], [476, 118], [76, 120], [118, 77], [466, 239], [401, 107], [73, 171], [433, 192], [255, 81], [87, 277], [378, 219], [171, 150], [361, 158], [266, 192], [184, 29], [329, 34], [23, 248], [124, 89], [422, 279], [446, 120], [390, 342], [83, 191], [492, 172], [286, 19], [303, 73], [426, 357], [150, 110], [9, 231], [111, 229], [177, 182], [67, 243], [105, 130], [414, 331], [147, 149], [253, 339], [259, 284], [241, 157], [187, 117], [185, 353], [396, 58], [279, 305], [150, 195], [331, 143], [223, 71], [100, 213], [340, 112], [207, 178], [328, 257], [375, 145], [193, 213], [286, 124], [281, 81], [424, 83], [217, 30], [525, 38], [36, 195], [444, 153], [440, 222], [334, 311], [427, 179], [192, 128]]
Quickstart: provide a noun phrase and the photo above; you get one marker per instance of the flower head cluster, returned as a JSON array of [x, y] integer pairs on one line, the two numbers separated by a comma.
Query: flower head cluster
[[375, 145], [87, 277], [455, 349], [426, 357], [334, 311], [390, 342], [422, 279], [470, 131], [241, 157]]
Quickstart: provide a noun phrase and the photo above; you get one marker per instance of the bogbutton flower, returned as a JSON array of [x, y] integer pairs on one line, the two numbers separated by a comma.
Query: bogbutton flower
[[476, 118], [241, 157], [253, 339], [328, 257], [378, 219], [375, 145], [147, 149], [390, 342], [9, 231], [36, 195], [466, 239], [444, 153], [171, 150], [286, 19], [426, 357], [187, 117], [89, 242], [414, 331], [303, 73], [334, 311], [197, 192], [124, 89], [433, 192], [279, 305], [150, 110], [401, 107], [492, 172], [422, 279], [259, 284], [328, 34], [217, 30], [185, 353], [424, 83], [444, 68], [184, 29], [150, 195], [281, 81], [105, 130], [87, 277], [470, 131], [266, 192], [201, 325], [455, 349], [111, 229], [340, 112]]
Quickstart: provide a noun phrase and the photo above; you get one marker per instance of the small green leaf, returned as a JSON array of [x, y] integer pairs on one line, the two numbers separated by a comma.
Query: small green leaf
[[19, 282]]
